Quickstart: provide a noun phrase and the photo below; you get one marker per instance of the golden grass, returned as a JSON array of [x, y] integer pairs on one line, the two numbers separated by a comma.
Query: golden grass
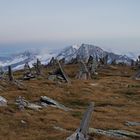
[[116, 97]]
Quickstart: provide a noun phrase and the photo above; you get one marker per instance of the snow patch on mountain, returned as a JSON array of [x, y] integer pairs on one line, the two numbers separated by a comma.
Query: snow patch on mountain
[[76, 46]]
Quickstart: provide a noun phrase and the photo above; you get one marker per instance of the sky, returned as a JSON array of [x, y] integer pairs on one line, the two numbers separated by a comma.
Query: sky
[[53, 24]]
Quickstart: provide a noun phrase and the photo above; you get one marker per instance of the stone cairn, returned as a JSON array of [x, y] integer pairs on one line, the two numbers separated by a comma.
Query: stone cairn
[[38, 67], [21, 102], [27, 72], [82, 132]]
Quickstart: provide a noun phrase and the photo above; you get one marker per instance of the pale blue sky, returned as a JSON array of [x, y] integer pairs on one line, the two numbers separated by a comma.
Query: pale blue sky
[[111, 24]]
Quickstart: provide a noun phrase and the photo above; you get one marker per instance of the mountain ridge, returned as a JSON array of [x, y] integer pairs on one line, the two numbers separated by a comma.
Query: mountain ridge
[[17, 61]]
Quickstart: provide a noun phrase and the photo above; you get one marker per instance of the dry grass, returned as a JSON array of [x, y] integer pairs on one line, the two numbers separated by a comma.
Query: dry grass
[[116, 97]]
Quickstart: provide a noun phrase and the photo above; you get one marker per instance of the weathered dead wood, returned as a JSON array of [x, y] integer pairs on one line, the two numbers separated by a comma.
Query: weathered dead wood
[[10, 74], [83, 73], [92, 66], [38, 67], [58, 73], [63, 72], [52, 62], [12, 80], [82, 132], [2, 73], [103, 60], [136, 76], [27, 68]]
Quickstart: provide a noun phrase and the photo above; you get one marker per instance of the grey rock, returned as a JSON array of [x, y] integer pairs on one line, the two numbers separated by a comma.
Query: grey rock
[[128, 123], [46, 101], [52, 77], [34, 106], [22, 104], [3, 101], [114, 133]]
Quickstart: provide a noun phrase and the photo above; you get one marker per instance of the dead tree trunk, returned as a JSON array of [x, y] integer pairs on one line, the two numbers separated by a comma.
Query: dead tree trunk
[[104, 60], [27, 69], [10, 74], [1, 72], [82, 132], [83, 73], [137, 76], [63, 73], [37, 67], [92, 66]]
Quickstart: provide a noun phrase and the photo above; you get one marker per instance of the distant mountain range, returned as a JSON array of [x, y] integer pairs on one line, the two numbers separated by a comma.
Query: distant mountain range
[[84, 51]]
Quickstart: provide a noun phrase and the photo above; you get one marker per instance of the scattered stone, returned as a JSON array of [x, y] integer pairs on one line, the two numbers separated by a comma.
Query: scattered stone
[[93, 84], [52, 77], [3, 101], [128, 123], [22, 104], [61, 129], [23, 122], [34, 106], [46, 101], [114, 133]]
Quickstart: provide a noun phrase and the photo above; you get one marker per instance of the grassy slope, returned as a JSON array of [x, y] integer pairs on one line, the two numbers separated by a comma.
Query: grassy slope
[[116, 97]]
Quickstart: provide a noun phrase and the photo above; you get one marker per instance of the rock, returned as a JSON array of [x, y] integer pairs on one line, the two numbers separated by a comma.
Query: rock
[[60, 77], [114, 133], [23, 122], [3, 101], [122, 134], [46, 101], [94, 84], [52, 77], [128, 123], [34, 106], [61, 129], [56, 78], [22, 104]]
